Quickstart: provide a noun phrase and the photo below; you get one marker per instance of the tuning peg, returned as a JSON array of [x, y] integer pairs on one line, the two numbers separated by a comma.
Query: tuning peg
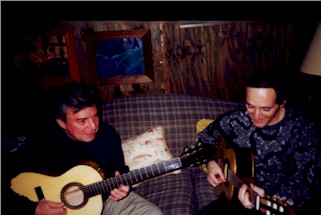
[[185, 149], [290, 202], [276, 196], [284, 199]]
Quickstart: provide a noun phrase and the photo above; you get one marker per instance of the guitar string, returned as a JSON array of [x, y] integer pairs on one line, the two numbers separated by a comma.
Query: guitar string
[[131, 177], [91, 190], [238, 184], [254, 197]]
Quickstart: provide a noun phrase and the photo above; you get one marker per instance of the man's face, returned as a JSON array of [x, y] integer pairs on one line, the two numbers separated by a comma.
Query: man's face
[[81, 126], [262, 107]]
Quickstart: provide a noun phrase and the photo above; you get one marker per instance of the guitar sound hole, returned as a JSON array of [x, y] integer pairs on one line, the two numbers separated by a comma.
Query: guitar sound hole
[[73, 196]]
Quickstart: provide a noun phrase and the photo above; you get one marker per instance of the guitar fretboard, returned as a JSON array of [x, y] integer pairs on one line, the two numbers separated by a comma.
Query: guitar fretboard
[[237, 182], [132, 177]]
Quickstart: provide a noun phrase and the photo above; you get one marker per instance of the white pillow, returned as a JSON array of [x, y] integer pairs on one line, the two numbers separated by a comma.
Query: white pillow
[[147, 149]]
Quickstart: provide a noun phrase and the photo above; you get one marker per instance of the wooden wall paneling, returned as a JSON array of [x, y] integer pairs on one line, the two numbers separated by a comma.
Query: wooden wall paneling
[[193, 50], [287, 43], [173, 54], [239, 66], [206, 62], [158, 55], [216, 60], [185, 50], [163, 63], [221, 60], [211, 61], [209, 73]]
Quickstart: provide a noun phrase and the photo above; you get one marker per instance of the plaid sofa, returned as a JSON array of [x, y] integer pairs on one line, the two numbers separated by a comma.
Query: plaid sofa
[[182, 193]]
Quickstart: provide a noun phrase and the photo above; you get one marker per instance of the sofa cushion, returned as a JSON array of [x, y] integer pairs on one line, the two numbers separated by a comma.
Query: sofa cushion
[[202, 124], [174, 193], [205, 192], [146, 149]]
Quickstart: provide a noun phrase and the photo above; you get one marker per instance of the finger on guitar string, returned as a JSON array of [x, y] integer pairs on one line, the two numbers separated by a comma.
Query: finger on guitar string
[[258, 190], [244, 197], [211, 181]]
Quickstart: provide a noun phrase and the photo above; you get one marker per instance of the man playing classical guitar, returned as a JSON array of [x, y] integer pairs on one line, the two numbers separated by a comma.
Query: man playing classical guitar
[[283, 142], [77, 134]]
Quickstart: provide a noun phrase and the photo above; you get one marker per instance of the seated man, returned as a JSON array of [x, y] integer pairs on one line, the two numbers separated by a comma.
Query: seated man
[[283, 142], [76, 134]]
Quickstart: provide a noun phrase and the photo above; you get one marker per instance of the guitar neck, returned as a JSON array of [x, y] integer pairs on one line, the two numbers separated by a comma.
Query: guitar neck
[[237, 182], [132, 177], [266, 205]]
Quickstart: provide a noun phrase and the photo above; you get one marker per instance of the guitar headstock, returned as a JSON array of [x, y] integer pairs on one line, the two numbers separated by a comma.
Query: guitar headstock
[[276, 206], [196, 155]]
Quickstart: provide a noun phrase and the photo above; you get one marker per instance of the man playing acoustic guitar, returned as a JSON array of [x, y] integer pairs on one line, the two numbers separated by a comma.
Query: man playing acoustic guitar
[[284, 147], [77, 134]]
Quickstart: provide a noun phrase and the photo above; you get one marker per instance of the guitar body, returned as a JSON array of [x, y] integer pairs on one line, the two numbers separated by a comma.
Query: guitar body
[[80, 188], [239, 160], [52, 188], [238, 167]]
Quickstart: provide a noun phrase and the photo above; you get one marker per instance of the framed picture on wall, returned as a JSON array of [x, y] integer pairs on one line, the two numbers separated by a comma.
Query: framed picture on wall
[[120, 57], [61, 64]]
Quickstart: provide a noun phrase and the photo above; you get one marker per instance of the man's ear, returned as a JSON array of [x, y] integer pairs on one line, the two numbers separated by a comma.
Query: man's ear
[[61, 123]]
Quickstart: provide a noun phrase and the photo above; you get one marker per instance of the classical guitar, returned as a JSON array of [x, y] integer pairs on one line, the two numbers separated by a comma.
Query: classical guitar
[[238, 167], [80, 188]]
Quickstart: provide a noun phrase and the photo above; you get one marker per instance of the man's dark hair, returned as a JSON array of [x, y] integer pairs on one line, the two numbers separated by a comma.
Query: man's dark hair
[[74, 95], [269, 80]]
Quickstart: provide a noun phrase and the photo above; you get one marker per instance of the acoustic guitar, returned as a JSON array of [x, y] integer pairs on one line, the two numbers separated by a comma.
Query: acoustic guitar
[[80, 188], [238, 167]]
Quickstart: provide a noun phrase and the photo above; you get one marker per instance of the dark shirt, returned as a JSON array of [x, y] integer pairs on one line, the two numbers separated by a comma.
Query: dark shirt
[[52, 152], [285, 154]]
